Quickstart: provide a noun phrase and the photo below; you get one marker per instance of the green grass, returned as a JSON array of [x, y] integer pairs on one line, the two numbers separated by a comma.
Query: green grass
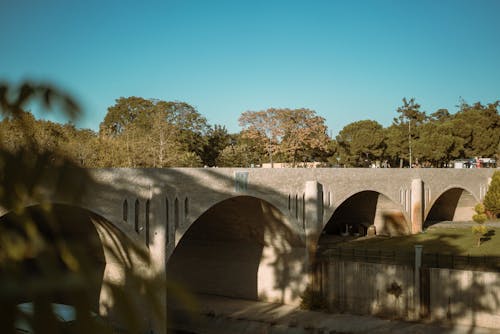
[[457, 241]]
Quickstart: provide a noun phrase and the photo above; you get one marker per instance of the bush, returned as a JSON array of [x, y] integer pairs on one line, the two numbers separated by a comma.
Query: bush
[[480, 216]]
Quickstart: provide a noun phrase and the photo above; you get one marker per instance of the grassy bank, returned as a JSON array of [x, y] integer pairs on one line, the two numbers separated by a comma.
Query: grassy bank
[[457, 241]]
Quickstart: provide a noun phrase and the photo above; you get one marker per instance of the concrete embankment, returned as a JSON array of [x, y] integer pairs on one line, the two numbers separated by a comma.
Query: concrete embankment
[[219, 315]]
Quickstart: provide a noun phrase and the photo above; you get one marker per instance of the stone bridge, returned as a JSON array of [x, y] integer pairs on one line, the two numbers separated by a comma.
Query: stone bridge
[[253, 233]]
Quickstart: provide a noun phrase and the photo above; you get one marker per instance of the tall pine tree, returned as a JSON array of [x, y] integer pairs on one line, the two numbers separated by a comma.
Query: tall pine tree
[[492, 198]]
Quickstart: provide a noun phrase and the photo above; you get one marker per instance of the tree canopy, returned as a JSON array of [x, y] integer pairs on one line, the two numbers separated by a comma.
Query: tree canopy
[[154, 133], [292, 135], [140, 132], [361, 142]]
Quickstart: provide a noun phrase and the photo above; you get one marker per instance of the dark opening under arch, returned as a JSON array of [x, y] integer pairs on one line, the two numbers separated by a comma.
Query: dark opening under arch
[[364, 209], [455, 204], [75, 227], [239, 248]]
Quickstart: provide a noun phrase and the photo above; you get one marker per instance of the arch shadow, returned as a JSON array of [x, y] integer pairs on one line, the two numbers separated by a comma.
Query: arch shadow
[[454, 204], [242, 248], [62, 224], [363, 209], [77, 254]]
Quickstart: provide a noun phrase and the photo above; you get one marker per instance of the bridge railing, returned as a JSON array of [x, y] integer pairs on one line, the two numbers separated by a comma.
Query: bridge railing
[[429, 260]]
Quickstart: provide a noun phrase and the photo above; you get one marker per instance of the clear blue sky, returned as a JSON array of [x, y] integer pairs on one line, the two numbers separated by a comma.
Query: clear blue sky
[[347, 60]]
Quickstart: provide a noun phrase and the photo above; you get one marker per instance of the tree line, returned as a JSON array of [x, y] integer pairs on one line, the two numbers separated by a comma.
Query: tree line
[[139, 132]]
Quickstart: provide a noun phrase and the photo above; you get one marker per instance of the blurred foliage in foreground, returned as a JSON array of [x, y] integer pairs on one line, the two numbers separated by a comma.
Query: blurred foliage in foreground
[[52, 253]]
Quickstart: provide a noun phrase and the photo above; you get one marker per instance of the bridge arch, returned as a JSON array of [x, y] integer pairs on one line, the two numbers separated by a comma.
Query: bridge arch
[[105, 212], [105, 255], [364, 208], [195, 212], [455, 203], [45, 263], [241, 247]]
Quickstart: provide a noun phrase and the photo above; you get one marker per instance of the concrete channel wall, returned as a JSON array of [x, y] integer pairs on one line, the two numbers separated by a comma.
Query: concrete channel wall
[[462, 297], [465, 297], [368, 288]]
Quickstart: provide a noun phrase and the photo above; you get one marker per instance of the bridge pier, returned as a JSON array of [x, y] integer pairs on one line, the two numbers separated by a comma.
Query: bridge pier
[[417, 206], [313, 225], [158, 250]]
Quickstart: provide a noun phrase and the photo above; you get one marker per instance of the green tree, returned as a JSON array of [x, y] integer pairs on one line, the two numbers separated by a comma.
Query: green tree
[[123, 113], [240, 155], [304, 135], [77, 144], [154, 133], [191, 124], [360, 143], [217, 138], [404, 131], [479, 128], [396, 144], [262, 129], [492, 197], [440, 115], [17, 131], [81, 145], [157, 144], [437, 143]]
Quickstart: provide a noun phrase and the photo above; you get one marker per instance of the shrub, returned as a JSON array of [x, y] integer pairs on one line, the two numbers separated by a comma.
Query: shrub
[[480, 217]]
